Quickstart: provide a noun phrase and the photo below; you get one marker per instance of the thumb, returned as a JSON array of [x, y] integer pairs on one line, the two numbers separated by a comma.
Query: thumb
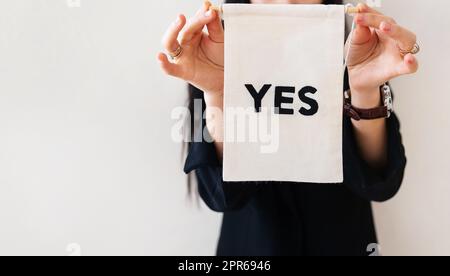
[[361, 35], [214, 27]]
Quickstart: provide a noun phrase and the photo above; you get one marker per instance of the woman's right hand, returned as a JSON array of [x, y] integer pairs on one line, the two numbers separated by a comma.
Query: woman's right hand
[[201, 62]]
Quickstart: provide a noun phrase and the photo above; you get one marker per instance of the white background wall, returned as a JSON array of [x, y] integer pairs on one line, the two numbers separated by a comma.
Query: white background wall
[[417, 221], [85, 150], [86, 154]]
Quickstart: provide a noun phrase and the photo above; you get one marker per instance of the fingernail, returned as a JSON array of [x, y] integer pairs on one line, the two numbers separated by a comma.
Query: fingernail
[[208, 13], [386, 27]]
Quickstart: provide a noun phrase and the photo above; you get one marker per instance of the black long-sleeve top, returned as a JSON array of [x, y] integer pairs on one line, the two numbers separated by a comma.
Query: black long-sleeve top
[[276, 218]]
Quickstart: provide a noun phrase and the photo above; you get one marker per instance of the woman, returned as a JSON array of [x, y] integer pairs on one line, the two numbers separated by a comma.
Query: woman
[[288, 218]]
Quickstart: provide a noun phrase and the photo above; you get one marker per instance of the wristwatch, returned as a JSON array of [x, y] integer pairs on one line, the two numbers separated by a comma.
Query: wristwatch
[[358, 114]]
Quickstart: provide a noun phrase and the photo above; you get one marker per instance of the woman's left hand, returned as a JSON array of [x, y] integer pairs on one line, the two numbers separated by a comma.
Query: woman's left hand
[[376, 52]]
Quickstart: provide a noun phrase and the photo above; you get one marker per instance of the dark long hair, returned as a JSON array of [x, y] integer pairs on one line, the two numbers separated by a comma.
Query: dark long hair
[[195, 93]]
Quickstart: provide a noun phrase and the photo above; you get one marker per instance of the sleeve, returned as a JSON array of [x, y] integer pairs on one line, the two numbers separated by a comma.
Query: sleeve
[[366, 182], [218, 195]]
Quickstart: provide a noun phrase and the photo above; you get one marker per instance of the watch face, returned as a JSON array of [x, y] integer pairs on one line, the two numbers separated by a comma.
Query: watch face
[[387, 95]]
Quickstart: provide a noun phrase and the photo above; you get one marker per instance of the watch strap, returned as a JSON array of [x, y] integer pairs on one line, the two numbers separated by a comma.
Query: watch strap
[[365, 114], [372, 113]]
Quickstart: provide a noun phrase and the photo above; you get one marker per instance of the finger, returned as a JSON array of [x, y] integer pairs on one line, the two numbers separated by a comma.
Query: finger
[[168, 67], [372, 20], [361, 35], [170, 40], [405, 38], [205, 7], [409, 65], [364, 8], [215, 28], [196, 25]]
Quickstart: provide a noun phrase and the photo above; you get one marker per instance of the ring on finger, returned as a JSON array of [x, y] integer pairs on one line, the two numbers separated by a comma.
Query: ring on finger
[[177, 53], [414, 50]]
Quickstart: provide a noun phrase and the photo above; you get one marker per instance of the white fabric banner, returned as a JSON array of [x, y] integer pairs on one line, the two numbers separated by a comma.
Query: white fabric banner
[[283, 93]]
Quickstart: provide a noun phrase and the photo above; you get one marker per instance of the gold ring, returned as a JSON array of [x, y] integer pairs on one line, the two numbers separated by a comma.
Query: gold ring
[[177, 53], [414, 50]]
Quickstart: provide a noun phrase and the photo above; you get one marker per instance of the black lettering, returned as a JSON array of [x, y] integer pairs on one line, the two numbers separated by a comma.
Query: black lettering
[[314, 106], [258, 96], [280, 99]]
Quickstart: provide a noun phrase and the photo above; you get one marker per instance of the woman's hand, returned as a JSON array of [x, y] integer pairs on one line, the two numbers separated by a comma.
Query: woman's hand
[[375, 55], [201, 61], [375, 58]]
